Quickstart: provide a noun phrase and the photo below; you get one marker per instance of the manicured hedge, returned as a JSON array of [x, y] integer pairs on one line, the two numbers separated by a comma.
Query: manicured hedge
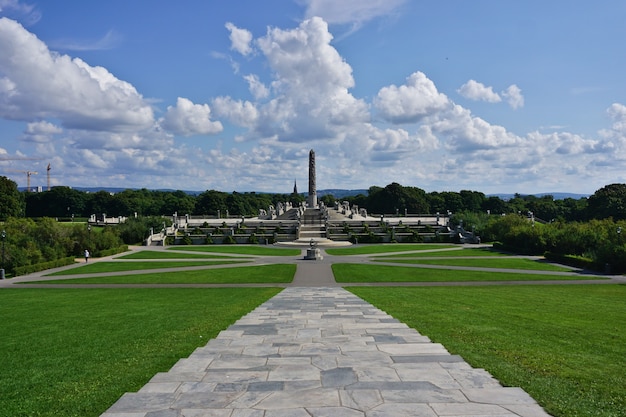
[[29, 269]]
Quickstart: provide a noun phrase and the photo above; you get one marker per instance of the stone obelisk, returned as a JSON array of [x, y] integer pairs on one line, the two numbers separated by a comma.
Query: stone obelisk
[[312, 200]]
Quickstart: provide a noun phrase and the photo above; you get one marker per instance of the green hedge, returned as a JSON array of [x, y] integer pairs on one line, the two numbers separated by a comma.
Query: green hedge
[[29, 269], [572, 260], [112, 251]]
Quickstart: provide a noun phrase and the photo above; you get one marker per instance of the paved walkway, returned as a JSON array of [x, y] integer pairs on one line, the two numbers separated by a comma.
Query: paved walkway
[[315, 351]]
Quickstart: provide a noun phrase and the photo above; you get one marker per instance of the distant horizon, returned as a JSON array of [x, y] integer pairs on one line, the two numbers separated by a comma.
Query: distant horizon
[[322, 192]]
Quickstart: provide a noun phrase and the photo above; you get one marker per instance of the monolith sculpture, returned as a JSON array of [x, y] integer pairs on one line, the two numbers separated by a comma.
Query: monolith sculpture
[[312, 200]]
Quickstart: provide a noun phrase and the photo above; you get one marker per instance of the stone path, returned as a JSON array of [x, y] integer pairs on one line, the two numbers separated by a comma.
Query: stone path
[[322, 351]]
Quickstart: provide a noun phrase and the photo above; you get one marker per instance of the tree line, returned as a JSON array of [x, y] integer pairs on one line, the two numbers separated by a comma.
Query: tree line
[[65, 203]]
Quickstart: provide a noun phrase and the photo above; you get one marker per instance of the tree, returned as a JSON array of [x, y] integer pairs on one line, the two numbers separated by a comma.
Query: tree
[[100, 202], [58, 202], [472, 200], [210, 202], [11, 200], [327, 199], [495, 205], [395, 198], [608, 201]]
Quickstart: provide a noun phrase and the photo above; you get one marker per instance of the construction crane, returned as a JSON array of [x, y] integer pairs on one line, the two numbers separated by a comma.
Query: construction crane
[[28, 174], [48, 175]]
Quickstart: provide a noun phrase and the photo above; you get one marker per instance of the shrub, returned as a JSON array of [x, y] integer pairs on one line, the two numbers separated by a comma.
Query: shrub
[[186, 240], [229, 240], [29, 269]]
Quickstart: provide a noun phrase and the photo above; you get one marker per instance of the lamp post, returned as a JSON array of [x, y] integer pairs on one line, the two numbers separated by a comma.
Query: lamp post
[[4, 236], [89, 234]]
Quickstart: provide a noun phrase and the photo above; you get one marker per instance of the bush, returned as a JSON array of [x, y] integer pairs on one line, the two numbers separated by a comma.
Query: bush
[[572, 260], [186, 240], [112, 251], [229, 240], [29, 269]]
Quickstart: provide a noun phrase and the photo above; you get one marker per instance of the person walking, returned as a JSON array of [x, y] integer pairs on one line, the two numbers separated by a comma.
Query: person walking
[[86, 255]]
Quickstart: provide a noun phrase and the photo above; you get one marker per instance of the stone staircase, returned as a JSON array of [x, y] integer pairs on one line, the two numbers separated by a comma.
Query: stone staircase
[[312, 226]]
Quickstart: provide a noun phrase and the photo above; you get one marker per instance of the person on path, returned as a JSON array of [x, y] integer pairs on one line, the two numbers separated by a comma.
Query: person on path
[[86, 255]]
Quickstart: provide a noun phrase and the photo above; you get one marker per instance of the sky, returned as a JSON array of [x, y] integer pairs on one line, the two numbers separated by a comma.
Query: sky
[[445, 95]]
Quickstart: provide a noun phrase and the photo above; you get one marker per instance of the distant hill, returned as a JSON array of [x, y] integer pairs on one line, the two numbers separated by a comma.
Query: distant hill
[[556, 196], [337, 193]]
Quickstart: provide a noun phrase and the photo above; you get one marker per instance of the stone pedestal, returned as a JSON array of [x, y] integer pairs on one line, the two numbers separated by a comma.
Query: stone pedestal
[[313, 254]]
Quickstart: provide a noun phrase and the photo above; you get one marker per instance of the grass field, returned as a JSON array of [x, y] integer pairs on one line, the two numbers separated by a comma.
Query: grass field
[[352, 273], [73, 353], [105, 266], [565, 345], [261, 274], [385, 248], [449, 253], [240, 249], [162, 254], [495, 262]]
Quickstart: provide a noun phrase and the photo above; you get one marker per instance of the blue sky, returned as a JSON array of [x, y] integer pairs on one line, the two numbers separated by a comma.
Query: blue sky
[[486, 95]]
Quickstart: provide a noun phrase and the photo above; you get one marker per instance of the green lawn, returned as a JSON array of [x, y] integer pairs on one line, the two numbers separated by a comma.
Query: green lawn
[[347, 273], [105, 266], [73, 353], [565, 345], [386, 248], [257, 250], [261, 274], [496, 262], [449, 253], [161, 254]]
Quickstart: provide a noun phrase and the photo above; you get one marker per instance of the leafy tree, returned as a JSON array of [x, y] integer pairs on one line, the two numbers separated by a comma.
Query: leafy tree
[[396, 198], [472, 200], [327, 199], [437, 202], [608, 201], [135, 230], [452, 202], [495, 205], [177, 202], [100, 202], [11, 200], [296, 199], [58, 202], [210, 202]]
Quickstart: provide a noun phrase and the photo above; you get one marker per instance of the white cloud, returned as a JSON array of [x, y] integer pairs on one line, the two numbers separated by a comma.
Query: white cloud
[[464, 132], [240, 39], [188, 119], [242, 113], [38, 83], [474, 90], [355, 12], [257, 88], [514, 96], [412, 101], [311, 85], [40, 132]]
